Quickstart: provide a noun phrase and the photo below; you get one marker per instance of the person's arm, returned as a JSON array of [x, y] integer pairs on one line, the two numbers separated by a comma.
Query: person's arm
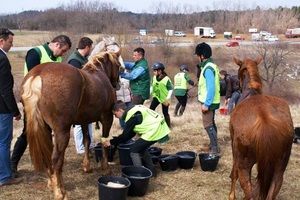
[[198, 72], [228, 88], [128, 132], [188, 79], [6, 87], [75, 63], [32, 59], [133, 74], [128, 65], [210, 86]]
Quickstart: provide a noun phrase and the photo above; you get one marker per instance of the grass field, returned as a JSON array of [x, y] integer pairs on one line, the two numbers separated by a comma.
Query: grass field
[[187, 134]]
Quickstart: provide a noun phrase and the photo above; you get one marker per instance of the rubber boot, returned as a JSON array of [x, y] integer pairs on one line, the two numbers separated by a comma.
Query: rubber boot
[[181, 111], [148, 163], [212, 134], [176, 109], [136, 159], [18, 151], [168, 121]]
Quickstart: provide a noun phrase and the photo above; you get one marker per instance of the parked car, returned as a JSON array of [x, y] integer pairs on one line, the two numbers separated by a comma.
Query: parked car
[[238, 37], [179, 34], [272, 38], [157, 41], [232, 44]]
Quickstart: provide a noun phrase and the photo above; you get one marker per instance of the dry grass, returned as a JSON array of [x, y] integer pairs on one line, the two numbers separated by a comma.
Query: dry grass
[[187, 134]]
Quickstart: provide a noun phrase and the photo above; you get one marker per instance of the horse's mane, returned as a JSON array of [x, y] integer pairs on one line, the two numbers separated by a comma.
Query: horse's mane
[[97, 61], [251, 67]]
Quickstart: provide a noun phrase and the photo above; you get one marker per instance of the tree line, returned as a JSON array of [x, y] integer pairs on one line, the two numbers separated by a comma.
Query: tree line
[[99, 17]]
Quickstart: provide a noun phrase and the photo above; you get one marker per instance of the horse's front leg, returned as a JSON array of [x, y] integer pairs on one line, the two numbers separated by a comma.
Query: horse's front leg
[[106, 121], [86, 141], [61, 142]]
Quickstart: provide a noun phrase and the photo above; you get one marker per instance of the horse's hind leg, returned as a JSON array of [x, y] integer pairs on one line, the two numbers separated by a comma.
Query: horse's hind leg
[[60, 145], [244, 174], [86, 142], [234, 177], [275, 184]]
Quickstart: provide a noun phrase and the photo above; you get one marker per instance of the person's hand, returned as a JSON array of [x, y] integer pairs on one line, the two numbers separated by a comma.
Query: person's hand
[[18, 117], [204, 108], [106, 143], [226, 101]]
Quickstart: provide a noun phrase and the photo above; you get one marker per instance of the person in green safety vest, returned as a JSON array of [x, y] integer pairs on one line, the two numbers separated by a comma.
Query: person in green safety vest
[[48, 52], [148, 124], [162, 89], [181, 81], [208, 93]]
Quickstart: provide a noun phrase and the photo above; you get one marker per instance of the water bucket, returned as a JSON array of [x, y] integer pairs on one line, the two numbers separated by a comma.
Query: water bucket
[[98, 153], [223, 111], [155, 159], [139, 178], [208, 162], [186, 159], [168, 162], [113, 188], [297, 135], [124, 153], [155, 151]]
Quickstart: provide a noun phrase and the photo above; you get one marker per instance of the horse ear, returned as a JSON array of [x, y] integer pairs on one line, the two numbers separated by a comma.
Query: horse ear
[[237, 61], [258, 60]]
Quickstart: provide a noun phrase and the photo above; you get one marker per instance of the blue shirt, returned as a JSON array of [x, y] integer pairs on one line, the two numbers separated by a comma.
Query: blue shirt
[[210, 84], [134, 73]]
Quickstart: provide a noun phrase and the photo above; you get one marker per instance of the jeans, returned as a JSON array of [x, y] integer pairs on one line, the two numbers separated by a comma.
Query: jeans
[[78, 138], [6, 130], [233, 101]]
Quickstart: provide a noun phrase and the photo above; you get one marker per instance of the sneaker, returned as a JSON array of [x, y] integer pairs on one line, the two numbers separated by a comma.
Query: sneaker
[[12, 181]]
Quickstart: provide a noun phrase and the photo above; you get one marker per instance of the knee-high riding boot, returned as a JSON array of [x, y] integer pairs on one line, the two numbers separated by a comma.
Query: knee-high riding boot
[[212, 134]]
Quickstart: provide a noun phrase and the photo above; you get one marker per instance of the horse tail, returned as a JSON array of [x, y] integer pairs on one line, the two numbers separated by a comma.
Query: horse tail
[[272, 143], [38, 135]]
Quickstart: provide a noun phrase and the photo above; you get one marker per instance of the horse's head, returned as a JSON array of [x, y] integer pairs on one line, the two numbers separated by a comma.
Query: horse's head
[[108, 44], [248, 74], [108, 63]]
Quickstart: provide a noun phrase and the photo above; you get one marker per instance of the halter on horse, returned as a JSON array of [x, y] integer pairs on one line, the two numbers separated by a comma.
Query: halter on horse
[[261, 130]]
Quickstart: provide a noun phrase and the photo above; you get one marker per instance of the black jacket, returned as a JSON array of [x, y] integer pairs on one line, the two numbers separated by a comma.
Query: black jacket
[[7, 99]]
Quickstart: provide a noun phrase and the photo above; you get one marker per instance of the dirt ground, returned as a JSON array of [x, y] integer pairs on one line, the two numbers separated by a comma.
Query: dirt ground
[[187, 134]]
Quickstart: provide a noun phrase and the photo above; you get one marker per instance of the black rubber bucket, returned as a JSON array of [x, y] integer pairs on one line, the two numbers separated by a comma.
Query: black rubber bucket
[[155, 151], [110, 192], [98, 153], [139, 178], [297, 135], [155, 159], [124, 153], [186, 159], [208, 162], [168, 162]]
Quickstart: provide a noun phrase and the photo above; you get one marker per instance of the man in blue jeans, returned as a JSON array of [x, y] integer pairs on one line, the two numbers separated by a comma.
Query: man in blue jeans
[[8, 108]]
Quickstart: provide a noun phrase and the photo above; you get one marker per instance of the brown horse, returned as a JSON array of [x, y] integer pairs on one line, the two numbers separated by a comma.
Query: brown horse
[[57, 95], [261, 130]]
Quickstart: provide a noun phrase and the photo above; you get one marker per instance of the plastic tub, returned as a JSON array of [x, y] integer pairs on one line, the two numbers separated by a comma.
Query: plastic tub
[[124, 153], [139, 178], [168, 162], [208, 162], [98, 153], [109, 191], [186, 159], [155, 151]]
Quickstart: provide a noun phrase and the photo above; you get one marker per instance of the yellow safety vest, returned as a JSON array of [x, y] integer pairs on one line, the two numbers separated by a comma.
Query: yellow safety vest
[[153, 126]]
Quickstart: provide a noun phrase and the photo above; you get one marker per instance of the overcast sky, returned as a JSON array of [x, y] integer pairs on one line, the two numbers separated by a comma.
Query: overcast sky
[[138, 6]]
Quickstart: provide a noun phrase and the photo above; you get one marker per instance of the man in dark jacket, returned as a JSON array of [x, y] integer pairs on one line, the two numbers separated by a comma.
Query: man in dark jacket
[[138, 76], [77, 59], [8, 108]]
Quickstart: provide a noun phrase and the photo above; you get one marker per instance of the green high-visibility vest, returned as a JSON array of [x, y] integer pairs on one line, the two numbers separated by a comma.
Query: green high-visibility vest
[[44, 58], [179, 81], [153, 126], [160, 90], [202, 88]]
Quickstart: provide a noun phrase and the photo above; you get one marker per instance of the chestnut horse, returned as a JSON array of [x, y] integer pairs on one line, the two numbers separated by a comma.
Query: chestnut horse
[[261, 130], [57, 95]]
